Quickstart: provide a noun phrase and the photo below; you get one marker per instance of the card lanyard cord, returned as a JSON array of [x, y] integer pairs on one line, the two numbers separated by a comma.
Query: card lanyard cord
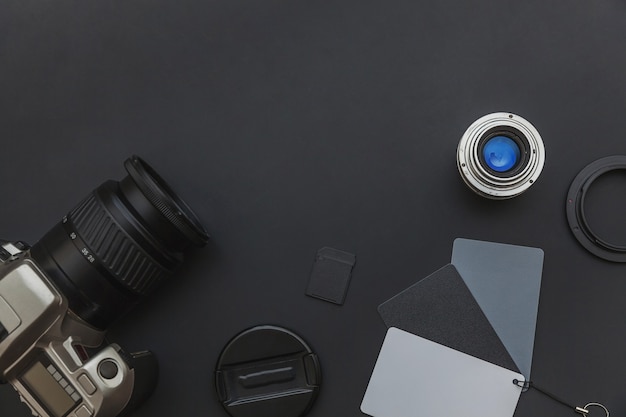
[[526, 385]]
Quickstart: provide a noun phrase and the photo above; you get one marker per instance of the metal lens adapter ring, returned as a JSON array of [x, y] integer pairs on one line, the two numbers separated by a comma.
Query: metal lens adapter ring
[[500, 156], [575, 208]]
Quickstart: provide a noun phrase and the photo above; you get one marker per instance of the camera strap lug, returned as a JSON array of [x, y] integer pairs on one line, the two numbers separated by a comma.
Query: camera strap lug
[[11, 250]]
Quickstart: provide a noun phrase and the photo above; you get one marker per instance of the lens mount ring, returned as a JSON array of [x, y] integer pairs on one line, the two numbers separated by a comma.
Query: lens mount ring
[[165, 200], [500, 185], [575, 209]]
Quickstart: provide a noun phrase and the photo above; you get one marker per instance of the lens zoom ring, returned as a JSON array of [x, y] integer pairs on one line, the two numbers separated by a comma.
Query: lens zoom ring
[[113, 248]]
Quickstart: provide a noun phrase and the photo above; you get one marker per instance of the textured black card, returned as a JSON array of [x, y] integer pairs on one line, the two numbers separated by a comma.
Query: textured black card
[[441, 308]]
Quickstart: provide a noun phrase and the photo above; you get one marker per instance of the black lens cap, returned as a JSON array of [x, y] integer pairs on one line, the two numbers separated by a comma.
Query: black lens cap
[[267, 371]]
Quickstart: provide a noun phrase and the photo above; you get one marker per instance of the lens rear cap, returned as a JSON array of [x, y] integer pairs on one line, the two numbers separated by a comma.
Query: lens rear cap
[[267, 371]]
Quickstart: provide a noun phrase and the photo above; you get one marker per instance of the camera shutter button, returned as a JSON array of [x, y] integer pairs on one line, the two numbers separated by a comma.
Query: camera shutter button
[[108, 369]]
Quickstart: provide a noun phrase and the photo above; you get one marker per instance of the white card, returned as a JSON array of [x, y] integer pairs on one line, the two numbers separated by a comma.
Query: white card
[[415, 377]]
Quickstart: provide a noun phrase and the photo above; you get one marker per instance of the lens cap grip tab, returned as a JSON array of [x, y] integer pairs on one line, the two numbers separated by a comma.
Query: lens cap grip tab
[[267, 371]]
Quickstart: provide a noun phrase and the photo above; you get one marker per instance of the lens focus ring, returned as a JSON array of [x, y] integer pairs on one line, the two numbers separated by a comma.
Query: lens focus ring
[[113, 248]]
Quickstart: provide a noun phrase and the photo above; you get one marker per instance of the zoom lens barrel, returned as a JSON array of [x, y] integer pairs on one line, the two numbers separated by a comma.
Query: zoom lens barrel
[[500, 156], [118, 244]]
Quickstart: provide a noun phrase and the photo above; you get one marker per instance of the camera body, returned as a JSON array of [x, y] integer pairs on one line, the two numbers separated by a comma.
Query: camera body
[[58, 297], [46, 351]]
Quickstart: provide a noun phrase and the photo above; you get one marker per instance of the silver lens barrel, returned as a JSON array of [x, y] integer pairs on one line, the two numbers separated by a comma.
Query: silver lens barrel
[[500, 182]]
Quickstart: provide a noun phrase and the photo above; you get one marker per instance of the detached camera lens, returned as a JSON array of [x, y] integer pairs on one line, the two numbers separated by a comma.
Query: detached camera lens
[[118, 244], [500, 156], [501, 153]]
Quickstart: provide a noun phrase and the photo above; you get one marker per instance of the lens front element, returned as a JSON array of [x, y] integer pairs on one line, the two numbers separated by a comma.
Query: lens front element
[[501, 153]]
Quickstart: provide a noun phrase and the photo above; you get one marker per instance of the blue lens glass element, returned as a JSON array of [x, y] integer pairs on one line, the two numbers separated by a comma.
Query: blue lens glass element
[[501, 153]]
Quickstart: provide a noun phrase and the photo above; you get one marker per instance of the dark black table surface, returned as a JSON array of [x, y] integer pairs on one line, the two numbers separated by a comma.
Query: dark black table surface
[[293, 125]]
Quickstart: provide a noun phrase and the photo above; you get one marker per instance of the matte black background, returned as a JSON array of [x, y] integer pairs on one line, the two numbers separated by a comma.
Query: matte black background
[[292, 125]]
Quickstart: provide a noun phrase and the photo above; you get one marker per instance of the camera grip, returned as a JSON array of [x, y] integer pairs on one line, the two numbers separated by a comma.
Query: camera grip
[[146, 369]]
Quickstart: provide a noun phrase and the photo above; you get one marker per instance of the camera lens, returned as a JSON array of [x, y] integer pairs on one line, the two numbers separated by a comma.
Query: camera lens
[[500, 156], [501, 153], [118, 244]]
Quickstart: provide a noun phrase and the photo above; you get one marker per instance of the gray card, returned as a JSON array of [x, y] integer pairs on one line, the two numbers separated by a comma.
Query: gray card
[[415, 377], [441, 308], [505, 280]]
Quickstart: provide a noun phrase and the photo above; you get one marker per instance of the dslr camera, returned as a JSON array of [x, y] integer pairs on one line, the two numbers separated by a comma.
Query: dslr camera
[[58, 297]]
